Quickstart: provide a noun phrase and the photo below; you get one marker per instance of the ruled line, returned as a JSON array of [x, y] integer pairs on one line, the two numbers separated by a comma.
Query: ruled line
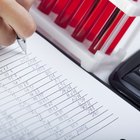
[[101, 128], [73, 117], [38, 101], [31, 98], [50, 108], [61, 104], [35, 102], [23, 82], [88, 122], [9, 51], [54, 112], [24, 74], [29, 78], [61, 115], [10, 57], [25, 68], [16, 67], [30, 91], [15, 61]]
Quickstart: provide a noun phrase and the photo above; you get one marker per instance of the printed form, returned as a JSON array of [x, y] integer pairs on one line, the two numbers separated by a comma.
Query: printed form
[[45, 96]]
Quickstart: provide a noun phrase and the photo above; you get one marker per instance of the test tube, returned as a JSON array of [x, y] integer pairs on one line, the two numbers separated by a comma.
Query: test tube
[[46, 6], [98, 32], [100, 43], [65, 16], [85, 26], [99, 21], [59, 6], [83, 11], [119, 36], [109, 36]]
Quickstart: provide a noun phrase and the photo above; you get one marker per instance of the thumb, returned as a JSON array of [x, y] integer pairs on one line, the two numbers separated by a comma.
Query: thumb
[[26, 3], [17, 17]]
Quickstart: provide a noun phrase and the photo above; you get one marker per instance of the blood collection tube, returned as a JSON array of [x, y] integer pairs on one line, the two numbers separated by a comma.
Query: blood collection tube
[[120, 35], [131, 11], [84, 27], [83, 11], [103, 38], [46, 6], [65, 16], [102, 22], [59, 6], [98, 32]]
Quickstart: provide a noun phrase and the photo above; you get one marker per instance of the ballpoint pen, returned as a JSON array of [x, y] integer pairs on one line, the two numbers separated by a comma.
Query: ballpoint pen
[[22, 44]]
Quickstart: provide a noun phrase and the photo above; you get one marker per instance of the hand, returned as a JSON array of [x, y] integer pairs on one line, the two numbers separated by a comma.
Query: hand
[[15, 19]]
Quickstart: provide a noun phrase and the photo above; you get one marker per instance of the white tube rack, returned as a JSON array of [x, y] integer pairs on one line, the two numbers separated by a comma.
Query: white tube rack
[[99, 64]]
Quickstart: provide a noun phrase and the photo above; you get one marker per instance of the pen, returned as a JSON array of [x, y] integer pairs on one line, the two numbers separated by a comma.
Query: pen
[[22, 44]]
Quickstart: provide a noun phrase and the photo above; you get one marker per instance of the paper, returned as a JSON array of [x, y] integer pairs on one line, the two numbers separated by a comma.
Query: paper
[[45, 96]]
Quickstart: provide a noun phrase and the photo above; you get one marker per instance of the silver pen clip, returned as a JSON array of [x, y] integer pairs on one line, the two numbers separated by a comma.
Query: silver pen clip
[[22, 44]]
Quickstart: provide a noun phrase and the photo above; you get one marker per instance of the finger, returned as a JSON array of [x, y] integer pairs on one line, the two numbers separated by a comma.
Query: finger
[[26, 3], [17, 17], [7, 34]]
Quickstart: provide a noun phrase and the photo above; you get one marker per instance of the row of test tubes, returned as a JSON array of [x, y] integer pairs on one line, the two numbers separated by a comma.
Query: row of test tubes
[[97, 21]]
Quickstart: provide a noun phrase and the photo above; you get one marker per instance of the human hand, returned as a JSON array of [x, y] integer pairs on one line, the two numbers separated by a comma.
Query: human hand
[[15, 20]]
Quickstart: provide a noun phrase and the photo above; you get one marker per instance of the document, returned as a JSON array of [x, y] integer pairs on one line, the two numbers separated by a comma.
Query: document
[[46, 96]]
